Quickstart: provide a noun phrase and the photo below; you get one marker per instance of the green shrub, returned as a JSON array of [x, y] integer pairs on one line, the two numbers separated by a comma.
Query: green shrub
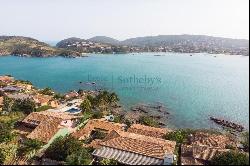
[[180, 136], [26, 106], [62, 147], [230, 158], [245, 141], [97, 115], [29, 146], [86, 105], [81, 157], [108, 162], [43, 108], [2, 157], [5, 132], [148, 121], [47, 91]]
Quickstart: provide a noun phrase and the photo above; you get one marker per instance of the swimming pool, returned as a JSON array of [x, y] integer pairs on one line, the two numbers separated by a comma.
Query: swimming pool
[[74, 111]]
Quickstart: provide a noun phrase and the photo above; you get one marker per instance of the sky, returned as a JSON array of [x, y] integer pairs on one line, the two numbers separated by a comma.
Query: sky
[[53, 20]]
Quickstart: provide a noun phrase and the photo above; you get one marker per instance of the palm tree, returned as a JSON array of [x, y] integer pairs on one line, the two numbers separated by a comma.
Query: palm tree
[[86, 105]]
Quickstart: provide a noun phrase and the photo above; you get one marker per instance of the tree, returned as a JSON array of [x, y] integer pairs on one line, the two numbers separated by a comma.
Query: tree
[[81, 157], [26, 106], [29, 146], [112, 98], [108, 162], [86, 105], [180, 136], [62, 147], [47, 91], [245, 141], [2, 157], [5, 132], [7, 104], [148, 121], [230, 158]]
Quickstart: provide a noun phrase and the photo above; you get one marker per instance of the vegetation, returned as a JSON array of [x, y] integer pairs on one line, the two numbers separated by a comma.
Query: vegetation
[[2, 84], [108, 162], [230, 158], [98, 135], [245, 141], [86, 105], [148, 121], [43, 108], [26, 106], [2, 157], [62, 147], [58, 96], [97, 115], [180, 136], [7, 103], [81, 157], [5, 132], [23, 82], [28, 147], [11, 117], [47, 91]]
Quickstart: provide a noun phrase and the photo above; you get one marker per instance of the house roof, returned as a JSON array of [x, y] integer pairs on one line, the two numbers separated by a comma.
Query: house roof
[[46, 130], [101, 124], [212, 140], [47, 115], [194, 154], [148, 131], [46, 124], [139, 144], [42, 98], [206, 153]]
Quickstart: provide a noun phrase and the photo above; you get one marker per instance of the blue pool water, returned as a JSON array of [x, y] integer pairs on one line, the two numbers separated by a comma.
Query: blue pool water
[[73, 110], [193, 88]]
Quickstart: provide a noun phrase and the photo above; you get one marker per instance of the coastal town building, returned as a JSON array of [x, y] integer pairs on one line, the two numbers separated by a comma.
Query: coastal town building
[[19, 96], [199, 155], [203, 147], [11, 89], [72, 94], [7, 79], [44, 125], [98, 125], [24, 86], [134, 149], [148, 131], [45, 100]]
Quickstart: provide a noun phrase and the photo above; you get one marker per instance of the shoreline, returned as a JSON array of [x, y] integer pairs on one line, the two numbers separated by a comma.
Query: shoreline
[[85, 55]]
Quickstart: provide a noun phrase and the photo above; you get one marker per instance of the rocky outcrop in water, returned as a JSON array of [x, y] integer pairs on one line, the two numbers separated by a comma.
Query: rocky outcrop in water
[[228, 124]]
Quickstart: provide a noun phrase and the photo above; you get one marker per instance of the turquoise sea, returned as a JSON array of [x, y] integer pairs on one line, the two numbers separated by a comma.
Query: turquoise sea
[[193, 88]]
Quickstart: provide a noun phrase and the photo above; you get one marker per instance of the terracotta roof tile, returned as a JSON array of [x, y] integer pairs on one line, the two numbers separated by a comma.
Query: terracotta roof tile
[[94, 124], [46, 130], [212, 140], [140, 144], [148, 131], [46, 124]]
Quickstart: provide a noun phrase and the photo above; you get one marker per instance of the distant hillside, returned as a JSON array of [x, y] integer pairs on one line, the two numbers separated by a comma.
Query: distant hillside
[[104, 39], [88, 46], [25, 46], [192, 43]]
